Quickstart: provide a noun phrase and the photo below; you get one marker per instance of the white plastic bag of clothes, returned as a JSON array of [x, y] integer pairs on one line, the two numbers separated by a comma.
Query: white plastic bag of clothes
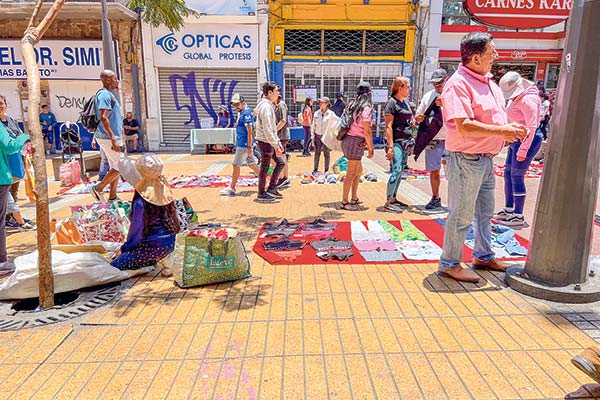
[[329, 138], [72, 271]]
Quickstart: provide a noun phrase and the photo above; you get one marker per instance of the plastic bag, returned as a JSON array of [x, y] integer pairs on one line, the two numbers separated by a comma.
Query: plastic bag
[[70, 173], [71, 272]]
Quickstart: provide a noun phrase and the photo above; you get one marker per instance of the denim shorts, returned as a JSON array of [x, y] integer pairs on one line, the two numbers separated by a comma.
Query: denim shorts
[[242, 158], [433, 157]]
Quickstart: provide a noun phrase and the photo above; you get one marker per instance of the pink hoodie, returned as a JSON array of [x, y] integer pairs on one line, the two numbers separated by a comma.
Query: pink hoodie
[[525, 110]]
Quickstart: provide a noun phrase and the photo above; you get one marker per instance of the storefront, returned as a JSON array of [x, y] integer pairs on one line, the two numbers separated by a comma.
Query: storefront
[[321, 49], [197, 69], [69, 75]]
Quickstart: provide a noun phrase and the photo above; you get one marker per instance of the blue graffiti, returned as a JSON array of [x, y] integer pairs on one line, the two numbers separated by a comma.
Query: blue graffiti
[[214, 94]]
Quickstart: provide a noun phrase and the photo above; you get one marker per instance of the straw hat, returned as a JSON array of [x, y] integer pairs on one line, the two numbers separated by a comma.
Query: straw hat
[[513, 84], [145, 175]]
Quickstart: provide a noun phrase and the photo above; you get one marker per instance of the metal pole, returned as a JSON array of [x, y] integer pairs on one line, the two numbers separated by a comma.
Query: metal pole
[[108, 50], [557, 266]]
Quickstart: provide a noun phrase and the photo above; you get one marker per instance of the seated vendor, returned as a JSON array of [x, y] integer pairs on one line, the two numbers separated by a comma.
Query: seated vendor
[[154, 221]]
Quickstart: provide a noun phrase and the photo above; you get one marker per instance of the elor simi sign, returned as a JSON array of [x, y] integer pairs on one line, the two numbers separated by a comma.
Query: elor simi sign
[[519, 14]]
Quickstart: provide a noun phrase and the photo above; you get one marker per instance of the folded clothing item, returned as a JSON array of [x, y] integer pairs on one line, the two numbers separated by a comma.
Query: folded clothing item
[[374, 245], [331, 244], [283, 228], [378, 256], [318, 225], [341, 255], [284, 244]]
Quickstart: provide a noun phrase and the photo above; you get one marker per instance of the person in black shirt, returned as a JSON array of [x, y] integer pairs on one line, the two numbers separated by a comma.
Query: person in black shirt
[[339, 106], [131, 127], [398, 125]]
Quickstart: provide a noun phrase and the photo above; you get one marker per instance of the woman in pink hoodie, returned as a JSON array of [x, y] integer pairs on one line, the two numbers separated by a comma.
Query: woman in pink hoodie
[[523, 108]]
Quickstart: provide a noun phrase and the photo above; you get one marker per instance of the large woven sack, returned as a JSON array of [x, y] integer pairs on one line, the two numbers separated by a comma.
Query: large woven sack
[[199, 260]]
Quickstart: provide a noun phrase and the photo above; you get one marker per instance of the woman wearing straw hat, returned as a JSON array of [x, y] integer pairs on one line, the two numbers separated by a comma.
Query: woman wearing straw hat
[[524, 108], [154, 221]]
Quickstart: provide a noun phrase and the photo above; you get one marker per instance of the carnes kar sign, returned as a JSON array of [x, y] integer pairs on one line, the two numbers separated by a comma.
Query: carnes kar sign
[[521, 14]]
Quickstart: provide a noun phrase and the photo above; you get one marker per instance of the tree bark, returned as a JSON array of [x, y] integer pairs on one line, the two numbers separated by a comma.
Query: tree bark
[[30, 38]]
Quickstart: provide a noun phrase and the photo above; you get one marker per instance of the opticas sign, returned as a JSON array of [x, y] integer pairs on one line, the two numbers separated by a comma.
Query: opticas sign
[[207, 46], [57, 59], [521, 14]]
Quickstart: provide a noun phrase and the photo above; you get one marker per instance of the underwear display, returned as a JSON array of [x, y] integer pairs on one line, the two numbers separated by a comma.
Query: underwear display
[[283, 228], [284, 244], [341, 255], [331, 244], [318, 225]]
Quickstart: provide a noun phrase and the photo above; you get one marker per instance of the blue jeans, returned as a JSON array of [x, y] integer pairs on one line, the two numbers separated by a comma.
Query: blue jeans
[[397, 167], [307, 140], [471, 185], [514, 173]]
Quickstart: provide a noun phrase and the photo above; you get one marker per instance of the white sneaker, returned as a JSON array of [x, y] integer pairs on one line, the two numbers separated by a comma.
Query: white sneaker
[[514, 220], [227, 192], [502, 215]]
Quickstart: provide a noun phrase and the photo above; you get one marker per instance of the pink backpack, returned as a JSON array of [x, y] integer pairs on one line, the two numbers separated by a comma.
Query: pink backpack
[[70, 173]]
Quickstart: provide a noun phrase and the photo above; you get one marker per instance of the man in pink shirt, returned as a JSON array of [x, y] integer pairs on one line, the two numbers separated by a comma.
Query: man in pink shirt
[[477, 127]]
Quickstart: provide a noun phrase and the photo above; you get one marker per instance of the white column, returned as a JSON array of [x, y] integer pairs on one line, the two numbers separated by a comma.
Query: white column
[[153, 127]]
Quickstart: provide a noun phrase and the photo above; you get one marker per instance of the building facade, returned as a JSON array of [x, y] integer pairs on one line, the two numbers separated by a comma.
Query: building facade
[[534, 53], [319, 48], [70, 59], [191, 72]]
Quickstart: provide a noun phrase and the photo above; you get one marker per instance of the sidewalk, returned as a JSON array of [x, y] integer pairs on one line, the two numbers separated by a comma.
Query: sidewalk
[[302, 332]]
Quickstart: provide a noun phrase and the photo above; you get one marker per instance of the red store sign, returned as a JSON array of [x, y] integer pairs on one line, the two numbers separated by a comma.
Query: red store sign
[[519, 14]]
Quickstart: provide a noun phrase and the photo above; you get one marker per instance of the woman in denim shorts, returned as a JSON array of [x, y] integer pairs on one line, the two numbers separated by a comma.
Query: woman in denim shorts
[[358, 138]]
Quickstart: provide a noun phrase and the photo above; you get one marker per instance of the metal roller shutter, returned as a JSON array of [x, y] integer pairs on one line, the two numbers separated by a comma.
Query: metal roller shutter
[[199, 92]]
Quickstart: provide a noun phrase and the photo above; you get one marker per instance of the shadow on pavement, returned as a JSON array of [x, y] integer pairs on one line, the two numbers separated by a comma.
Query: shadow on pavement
[[440, 284]]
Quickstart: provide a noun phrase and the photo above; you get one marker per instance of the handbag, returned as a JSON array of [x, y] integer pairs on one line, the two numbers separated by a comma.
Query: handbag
[[345, 123], [200, 259], [106, 222], [70, 173], [16, 165]]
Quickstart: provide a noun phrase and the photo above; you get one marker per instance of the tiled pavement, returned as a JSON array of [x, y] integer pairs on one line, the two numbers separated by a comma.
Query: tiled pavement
[[303, 332]]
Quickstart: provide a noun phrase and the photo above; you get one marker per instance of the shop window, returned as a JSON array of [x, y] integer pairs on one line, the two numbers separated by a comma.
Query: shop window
[[343, 42], [552, 76], [453, 13], [302, 42], [385, 42]]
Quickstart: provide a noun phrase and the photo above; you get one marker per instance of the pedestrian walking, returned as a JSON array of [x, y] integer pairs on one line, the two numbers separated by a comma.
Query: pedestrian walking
[[477, 127], [398, 127], [283, 132], [323, 119], [269, 144], [243, 142], [524, 108], [307, 118], [435, 149], [109, 133], [545, 115], [358, 138]]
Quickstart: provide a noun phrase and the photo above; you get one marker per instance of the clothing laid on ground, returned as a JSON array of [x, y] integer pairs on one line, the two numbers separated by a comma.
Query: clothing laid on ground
[[284, 244], [282, 228], [147, 241]]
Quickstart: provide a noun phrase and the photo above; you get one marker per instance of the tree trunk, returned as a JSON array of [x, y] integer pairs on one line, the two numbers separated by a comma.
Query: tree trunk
[[46, 283], [30, 38]]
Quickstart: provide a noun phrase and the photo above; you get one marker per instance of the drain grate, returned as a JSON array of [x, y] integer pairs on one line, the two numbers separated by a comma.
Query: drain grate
[[19, 315]]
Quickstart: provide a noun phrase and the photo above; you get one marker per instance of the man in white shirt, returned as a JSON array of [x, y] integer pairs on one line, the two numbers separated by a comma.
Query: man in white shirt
[[435, 149]]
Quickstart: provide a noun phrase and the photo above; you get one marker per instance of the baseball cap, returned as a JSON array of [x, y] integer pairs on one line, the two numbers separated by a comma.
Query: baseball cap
[[438, 75], [237, 98]]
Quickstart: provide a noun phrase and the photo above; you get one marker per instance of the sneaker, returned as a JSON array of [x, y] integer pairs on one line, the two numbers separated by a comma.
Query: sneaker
[[514, 220], [393, 207], [12, 223], [274, 193], [96, 194], [227, 192], [433, 203], [502, 215], [26, 226], [283, 182], [7, 267], [265, 198], [400, 204], [116, 198]]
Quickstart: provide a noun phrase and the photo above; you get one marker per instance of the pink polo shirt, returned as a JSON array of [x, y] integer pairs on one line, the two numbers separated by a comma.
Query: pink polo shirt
[[526, 109], [477, 97]]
